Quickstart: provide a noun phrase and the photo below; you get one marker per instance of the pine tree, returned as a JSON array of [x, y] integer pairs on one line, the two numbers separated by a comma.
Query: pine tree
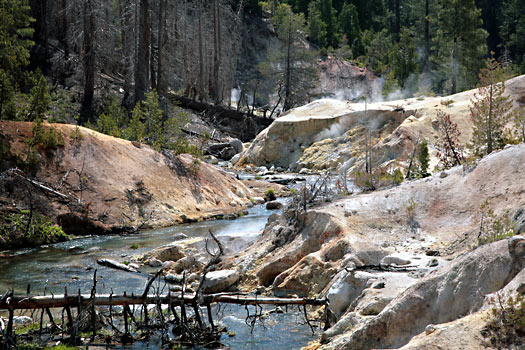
[[328, 16], [292, 66], [449, 148], [39, 100], [513, 30], [489, 110], [460, 42], [423, 159], [349, 27], [404, 57], [15, 42], [519, 125], [316, 26]]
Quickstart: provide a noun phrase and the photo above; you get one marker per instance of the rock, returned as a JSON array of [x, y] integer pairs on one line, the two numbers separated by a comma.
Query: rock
[[394, 260], [173, 278], [347, 286], [455, 290], [258, 200], [235, 159], [179, 236], [166, 265], [115, 265], [433, 263], [432, 253], [443, 175], [261, 170], [248, 168], [240, 193], [274, 205], [22, 320], [378, 285], [517, 246], [211, 159], [346, 323], [219, 281], [430, 329], [171, 252], [304, 171], [134, 266], [308, 277], [188, 263], [154, 262], [374, 306], [236, 144]]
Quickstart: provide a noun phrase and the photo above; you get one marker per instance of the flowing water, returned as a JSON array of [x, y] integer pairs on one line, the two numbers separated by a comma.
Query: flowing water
[[71, 264]]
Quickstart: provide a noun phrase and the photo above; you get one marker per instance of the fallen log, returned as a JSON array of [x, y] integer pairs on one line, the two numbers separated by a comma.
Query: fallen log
[[115, 265], [60, 300], [241, 125]]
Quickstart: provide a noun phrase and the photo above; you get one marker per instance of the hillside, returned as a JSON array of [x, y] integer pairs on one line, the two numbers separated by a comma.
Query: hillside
[[320, 252], [116, 183], [327, 134]]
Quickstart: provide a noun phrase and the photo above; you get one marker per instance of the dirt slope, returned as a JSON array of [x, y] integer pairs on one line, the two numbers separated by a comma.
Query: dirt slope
[[117, 183]]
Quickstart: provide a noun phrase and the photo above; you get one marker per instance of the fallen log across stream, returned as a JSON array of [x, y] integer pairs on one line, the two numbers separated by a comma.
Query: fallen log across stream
[[60, 300]]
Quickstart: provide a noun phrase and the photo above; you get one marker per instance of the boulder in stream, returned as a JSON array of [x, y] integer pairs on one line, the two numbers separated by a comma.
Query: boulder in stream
[[219, 281]]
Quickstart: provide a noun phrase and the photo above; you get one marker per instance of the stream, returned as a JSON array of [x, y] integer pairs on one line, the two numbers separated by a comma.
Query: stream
[[71, 264]]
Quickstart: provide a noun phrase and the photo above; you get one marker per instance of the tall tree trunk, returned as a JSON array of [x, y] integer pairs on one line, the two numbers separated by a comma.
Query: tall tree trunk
[[162, 84], [201, 53], [128, 39], [397, 9], [143, 52], [287, 88], [63, 25], [427, 33], [216, 52], [89, 60], [152, 68]]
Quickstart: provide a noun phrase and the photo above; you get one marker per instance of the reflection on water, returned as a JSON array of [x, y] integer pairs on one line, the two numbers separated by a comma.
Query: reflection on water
[[71, 264]]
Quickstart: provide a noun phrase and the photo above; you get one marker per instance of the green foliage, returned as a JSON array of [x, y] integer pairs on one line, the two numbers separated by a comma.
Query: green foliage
[[15, 34], [378, 178], [513, 30], [47, 139], [350, 29], [490, 111], [61, 108], [39, 100], [378, 46], [404, 58], [459, 44], [519, 125], [423, 160], [505, 328], [292, 67], [114, 118], [328, 17], [316, 26], [270, 195], [27, 230], [76, 135], [450, 152], [494, 227]]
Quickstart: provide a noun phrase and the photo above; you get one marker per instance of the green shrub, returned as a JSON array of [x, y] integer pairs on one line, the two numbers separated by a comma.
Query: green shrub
[[505, 328], [76, 135], [270, 195], [25, 230], [494, 227]]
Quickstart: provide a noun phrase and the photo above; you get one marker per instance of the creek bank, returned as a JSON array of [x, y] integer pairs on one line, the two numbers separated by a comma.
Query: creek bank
[[386, 278], [98, 184]]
